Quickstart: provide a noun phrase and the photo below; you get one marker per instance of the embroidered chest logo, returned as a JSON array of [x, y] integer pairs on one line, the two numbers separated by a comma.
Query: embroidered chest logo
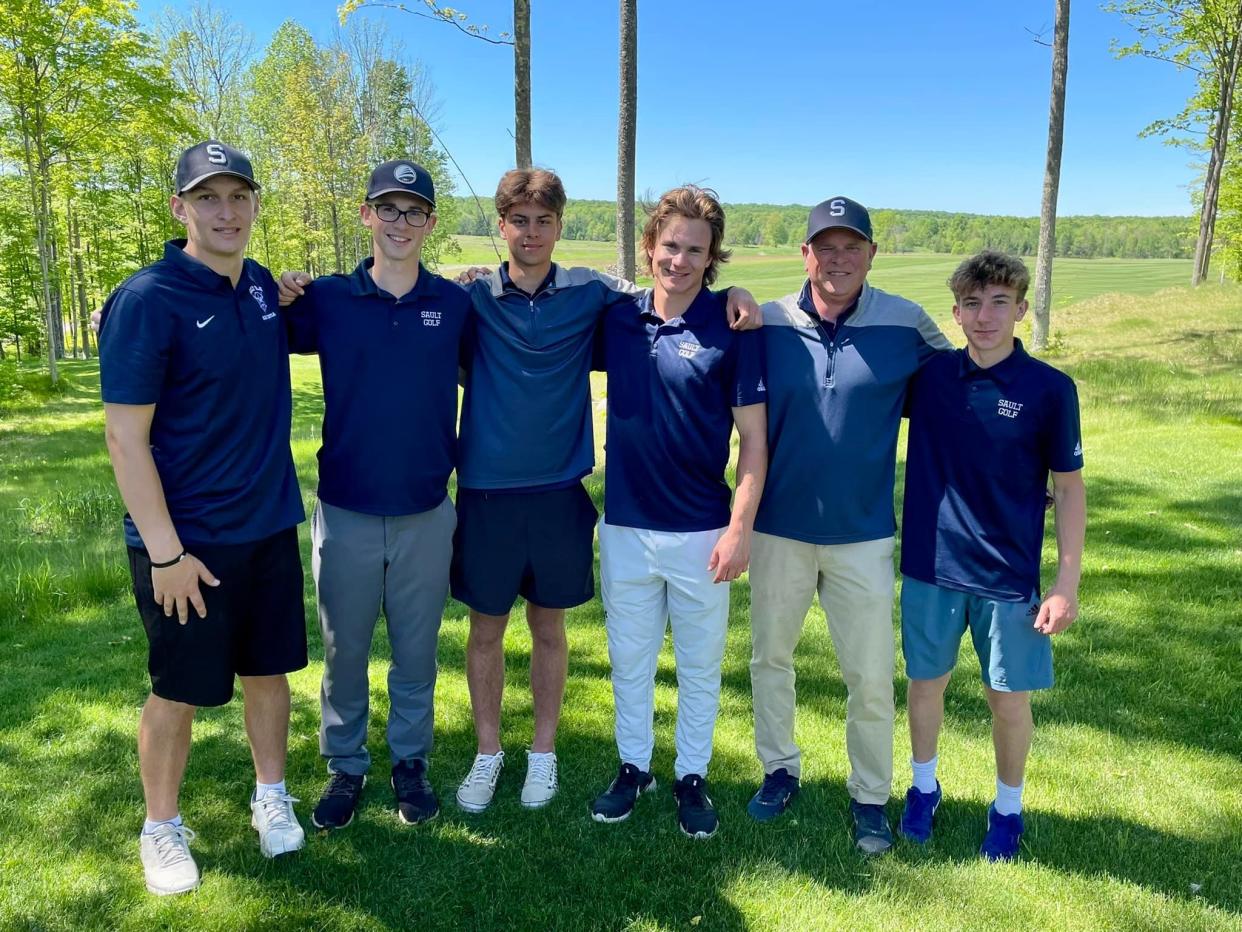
[[430, 318], [1008, 409], [686, 349], [256, 292], [761, 387]]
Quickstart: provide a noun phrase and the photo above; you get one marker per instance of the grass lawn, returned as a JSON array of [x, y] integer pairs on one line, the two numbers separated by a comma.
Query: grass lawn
[[1134, 804]]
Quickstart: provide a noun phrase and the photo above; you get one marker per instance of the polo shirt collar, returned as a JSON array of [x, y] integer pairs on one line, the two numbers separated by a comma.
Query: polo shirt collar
[[200, 272], [361, 283], [506, 283], [1003, 373], [808, 304], [700, 307]]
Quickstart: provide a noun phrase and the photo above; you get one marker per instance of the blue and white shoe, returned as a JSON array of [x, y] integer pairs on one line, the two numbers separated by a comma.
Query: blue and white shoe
[[919, 813], [774, 796], [1004, 836]]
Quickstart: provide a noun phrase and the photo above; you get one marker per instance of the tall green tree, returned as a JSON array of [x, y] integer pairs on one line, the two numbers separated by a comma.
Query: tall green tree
[[71, 71], [1204, 36]]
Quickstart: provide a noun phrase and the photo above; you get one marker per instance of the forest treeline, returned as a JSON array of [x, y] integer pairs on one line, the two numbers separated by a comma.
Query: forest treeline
[[95, 107], [900, 231]]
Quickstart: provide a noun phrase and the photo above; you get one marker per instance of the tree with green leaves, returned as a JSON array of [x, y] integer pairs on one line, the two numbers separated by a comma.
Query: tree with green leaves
[[71, 71], [1204, 36]]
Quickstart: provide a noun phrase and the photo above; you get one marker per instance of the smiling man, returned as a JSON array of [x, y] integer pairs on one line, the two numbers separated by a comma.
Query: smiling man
[[679, 380], [525, 523], [840, 354], [988, 426], [194, 371], [388, 338]]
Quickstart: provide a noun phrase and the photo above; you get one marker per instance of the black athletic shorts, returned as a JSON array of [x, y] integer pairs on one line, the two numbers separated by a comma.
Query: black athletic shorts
[[255, 624], [535, 544]]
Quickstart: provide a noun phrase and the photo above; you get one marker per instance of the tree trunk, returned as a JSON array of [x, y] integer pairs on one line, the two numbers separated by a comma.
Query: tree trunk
[[1216, 161], [1052, 179], [627, 124], [79, 274], [521, 82]]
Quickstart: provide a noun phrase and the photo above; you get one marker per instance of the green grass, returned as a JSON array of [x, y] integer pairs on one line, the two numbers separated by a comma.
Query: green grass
[[1134, 810]]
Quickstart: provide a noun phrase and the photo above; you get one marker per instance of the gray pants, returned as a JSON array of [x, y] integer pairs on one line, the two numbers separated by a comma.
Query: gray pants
[[363, 563]]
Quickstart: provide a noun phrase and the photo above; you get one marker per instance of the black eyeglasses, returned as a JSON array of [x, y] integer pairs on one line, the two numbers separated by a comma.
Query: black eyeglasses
[[389, 213]]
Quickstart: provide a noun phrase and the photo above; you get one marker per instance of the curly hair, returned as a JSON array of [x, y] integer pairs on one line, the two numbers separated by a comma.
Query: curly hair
[[693, 203]]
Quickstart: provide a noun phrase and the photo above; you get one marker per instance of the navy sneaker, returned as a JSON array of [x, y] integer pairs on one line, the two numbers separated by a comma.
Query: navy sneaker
[[617, 802], [695, 813], [774, 796], [872, 834], [336, 806], [416, 800], [918, 814], [1004, 835]]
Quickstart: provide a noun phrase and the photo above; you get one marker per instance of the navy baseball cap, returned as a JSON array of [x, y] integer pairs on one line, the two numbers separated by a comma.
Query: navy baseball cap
[[404, 176], [839, 212], [208, 159]]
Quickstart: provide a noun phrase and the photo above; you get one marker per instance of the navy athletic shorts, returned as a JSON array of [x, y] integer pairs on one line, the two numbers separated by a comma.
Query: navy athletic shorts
[[538, 545]]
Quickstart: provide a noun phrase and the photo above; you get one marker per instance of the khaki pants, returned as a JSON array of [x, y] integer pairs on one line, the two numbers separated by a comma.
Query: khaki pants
[[855, 586]]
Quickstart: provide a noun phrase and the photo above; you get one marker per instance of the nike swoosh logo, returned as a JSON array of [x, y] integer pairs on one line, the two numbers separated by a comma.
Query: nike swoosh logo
[[204, 323]]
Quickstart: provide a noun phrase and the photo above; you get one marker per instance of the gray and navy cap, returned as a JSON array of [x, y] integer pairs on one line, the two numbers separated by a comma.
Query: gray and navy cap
[[839, 212], [208, 159], [404, 176]]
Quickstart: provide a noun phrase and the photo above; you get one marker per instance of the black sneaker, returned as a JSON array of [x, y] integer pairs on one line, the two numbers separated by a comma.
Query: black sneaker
[[416, 800], [617, 802], [336, 806], [774, 796], [695, 813], [872, 834]]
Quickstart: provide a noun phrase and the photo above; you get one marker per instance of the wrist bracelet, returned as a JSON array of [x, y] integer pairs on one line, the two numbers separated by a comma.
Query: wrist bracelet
[[173, 562]]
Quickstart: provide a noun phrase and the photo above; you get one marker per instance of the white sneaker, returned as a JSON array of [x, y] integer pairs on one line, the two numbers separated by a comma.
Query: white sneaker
[[166, 859], [476, 791], [272, 816], [540, 784]]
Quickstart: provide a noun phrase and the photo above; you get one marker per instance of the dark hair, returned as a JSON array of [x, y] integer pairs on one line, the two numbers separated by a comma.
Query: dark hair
[[693, 203], [537, 185], [990, 268]]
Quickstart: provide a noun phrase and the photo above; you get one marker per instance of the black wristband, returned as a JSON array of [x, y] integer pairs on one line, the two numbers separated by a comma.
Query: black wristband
[[173, 562]]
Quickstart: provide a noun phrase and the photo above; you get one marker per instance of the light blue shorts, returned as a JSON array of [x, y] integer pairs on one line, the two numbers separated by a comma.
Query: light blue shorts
[[1013, 656]]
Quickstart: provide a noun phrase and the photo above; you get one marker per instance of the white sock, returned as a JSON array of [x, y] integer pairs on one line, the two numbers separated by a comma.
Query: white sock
[[262, 789], [925, 774], [1008, 798], [149, 826]]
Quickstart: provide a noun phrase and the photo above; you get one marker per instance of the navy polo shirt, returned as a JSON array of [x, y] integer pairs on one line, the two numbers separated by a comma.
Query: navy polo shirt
[[526, 412], [213, 359], [389, 368], [982, 442], [672, 387], [835, 398]]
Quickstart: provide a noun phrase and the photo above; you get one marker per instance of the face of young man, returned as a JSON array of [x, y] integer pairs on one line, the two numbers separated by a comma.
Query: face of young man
[[530, 230], [681, 256], [987, 316], [218, 215], [837, 261], [399, 239]]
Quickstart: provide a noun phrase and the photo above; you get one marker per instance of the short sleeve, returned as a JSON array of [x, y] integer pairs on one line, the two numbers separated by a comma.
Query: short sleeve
[[135, 343], [749, 374], [302, 322], [1063, 430]]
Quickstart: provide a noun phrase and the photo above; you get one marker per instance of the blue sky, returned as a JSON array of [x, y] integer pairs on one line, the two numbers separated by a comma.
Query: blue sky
[[939, 106]]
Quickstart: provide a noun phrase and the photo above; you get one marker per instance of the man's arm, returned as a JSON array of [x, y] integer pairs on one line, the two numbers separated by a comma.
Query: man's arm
[[1060, 606], [128, 432], [301, 324], [731, 555]]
